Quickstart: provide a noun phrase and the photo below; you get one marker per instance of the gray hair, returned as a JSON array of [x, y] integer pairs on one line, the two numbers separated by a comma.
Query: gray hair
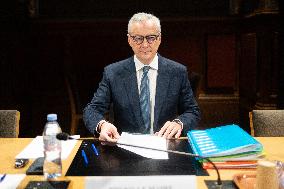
[[141, 17]]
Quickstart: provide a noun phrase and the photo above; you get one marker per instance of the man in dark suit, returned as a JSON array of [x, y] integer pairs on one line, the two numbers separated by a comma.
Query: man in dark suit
[[149, 93]]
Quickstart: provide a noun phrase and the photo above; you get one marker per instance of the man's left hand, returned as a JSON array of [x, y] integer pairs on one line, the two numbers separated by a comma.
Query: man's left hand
[[169, 130]]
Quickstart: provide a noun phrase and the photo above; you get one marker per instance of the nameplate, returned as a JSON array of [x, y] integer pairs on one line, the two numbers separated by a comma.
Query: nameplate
[[142, 182]]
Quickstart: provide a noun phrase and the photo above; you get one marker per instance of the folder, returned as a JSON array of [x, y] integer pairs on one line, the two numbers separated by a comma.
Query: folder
[[225, 141]]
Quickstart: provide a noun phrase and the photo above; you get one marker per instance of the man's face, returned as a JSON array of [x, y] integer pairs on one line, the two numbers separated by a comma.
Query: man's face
[[145, 39]]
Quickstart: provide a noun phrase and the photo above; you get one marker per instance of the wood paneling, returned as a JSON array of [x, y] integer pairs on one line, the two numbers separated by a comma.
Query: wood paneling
[[237, 56], [123, 9], [221, 62], [248, 66]]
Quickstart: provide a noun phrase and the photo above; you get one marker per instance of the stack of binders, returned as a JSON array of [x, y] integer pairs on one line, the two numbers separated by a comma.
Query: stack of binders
[[227, 146]]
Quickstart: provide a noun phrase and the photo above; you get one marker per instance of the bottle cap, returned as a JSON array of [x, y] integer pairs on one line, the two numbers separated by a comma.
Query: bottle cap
[[51, 117]]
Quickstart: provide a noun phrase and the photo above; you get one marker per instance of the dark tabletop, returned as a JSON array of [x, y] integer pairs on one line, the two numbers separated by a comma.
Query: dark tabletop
[[114, 161]]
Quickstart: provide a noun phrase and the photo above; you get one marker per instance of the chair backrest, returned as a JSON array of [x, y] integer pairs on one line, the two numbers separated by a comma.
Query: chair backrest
[[9, 123], [267, 123]]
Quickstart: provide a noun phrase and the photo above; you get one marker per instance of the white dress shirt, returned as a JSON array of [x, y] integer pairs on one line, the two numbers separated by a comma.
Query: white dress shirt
[[152, 75]]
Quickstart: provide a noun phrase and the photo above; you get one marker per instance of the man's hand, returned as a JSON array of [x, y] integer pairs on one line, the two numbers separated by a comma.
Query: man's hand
[[108, 133], [169, 130]]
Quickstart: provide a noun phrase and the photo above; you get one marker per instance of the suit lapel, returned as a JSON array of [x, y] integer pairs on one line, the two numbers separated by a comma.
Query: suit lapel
[[131, 88], [163, 80]]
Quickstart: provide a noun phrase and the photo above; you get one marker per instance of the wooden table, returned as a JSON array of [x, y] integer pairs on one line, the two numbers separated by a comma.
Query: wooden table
[[10, 147]]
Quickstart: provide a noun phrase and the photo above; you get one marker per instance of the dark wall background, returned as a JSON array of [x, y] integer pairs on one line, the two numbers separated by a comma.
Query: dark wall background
[[45, 45]]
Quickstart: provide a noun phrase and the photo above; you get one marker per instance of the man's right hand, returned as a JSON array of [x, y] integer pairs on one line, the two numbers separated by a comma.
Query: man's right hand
[[108, 133]]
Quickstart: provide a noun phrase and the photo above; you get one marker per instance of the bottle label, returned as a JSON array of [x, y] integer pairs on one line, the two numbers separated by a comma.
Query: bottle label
[[51, 143]]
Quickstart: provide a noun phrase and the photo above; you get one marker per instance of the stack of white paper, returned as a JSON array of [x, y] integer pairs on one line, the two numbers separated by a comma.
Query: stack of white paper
[[149, 141], [35, 149]]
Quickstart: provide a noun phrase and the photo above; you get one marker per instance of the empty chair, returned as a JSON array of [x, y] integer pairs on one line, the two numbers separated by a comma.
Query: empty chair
[[9, 123], [267, 123], [76, 113]]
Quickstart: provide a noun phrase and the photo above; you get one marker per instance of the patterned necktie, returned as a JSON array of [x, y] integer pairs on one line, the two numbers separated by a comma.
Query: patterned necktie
[[145, 99]]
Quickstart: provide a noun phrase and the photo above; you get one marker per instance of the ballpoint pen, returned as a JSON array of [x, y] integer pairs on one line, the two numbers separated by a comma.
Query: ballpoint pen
[[85, 157], [2, 177], [95, 149]]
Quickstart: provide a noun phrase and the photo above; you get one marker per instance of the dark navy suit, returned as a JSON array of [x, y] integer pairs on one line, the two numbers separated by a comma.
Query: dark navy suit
[[174, 97]]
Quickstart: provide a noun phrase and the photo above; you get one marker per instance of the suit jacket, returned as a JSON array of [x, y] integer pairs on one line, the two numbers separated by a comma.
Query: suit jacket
[[174, 97]]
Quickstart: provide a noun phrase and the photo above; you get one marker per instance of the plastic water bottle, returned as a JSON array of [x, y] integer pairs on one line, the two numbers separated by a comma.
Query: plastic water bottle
[[52, 166]]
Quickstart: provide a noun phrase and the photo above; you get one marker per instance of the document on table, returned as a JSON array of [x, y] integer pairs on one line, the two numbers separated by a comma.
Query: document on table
[[149, 141], [35, 149], [136, 182], [11, 181]]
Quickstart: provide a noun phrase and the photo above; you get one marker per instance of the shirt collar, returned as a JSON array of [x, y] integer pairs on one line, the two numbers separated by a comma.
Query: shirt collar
[[139, 65]]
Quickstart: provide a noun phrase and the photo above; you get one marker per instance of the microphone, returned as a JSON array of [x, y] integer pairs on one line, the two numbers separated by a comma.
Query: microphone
[[65, 136]]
